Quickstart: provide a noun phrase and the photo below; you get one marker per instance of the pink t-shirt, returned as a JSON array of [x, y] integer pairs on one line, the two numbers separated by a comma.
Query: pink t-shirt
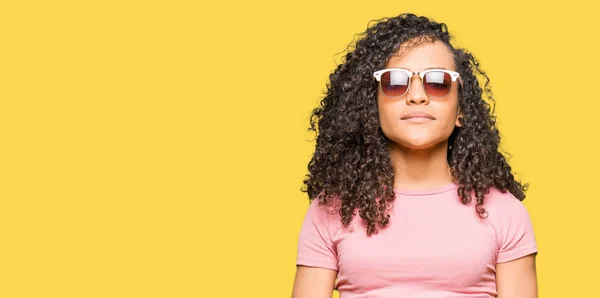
[[433, 246]]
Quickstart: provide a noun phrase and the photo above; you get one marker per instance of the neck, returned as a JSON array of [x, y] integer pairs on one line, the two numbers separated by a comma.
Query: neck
[[421, 168]]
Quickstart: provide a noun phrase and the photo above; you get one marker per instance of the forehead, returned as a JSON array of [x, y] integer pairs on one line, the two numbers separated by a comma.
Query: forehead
[[421, 54]]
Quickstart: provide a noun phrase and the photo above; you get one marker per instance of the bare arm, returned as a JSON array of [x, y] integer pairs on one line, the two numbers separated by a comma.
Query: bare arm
[[313, 282], [517, 278]]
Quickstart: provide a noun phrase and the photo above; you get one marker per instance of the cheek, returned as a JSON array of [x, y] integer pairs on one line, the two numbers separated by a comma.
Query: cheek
[[387, 116], [448, 123]]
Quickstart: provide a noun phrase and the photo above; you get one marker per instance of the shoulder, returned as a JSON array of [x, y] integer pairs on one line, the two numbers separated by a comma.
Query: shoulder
[[512, 223], [324, 213], [499, 204], [507, 214]]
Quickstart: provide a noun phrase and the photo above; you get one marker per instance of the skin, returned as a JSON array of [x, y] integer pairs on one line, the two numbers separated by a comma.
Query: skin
[[419, 154], [313, 282], [419, 149], [517, 278]]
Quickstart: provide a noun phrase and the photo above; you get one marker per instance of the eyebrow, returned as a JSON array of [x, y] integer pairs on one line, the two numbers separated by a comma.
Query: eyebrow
[[435, 67]]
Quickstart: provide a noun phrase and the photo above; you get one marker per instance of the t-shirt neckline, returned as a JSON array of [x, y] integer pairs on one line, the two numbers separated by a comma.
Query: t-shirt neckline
[[431, 191]]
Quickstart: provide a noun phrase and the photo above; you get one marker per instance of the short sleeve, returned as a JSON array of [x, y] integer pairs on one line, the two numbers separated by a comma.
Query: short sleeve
[[315, 245], [516, 235]]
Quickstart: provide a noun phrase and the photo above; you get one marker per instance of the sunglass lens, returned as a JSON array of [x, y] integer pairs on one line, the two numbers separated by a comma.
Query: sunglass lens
[[437, 83], [394, 83]]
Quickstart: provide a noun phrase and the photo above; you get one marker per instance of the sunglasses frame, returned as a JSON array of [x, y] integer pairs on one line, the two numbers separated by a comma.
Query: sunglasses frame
[[453, 75]]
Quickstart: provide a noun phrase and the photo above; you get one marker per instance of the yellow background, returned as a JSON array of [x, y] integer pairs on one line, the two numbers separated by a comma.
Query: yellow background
[[157, 148]]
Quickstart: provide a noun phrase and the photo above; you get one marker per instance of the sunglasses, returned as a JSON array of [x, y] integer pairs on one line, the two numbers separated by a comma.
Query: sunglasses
[[395, 82]]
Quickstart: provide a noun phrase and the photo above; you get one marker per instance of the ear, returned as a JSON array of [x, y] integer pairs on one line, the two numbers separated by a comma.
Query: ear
[[459, 118]]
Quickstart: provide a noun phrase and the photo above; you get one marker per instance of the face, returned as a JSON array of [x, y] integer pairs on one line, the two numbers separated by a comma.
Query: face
[[420, 133]]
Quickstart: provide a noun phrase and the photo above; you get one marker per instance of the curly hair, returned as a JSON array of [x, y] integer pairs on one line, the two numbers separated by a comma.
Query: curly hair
[[352, 162]]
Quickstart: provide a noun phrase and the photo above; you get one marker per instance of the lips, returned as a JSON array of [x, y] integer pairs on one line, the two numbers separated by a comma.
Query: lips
[[417, 114]]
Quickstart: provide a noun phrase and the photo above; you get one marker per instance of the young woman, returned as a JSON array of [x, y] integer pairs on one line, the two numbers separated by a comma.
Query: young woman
[[410, 196]]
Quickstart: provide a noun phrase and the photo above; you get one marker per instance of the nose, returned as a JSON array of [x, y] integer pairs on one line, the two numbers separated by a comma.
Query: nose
[[416, 94]]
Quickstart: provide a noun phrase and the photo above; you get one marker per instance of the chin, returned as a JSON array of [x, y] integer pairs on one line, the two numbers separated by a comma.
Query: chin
[[416, 144]]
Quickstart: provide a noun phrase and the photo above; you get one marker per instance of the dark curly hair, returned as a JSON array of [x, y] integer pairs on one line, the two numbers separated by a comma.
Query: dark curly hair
[[352, 159]]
